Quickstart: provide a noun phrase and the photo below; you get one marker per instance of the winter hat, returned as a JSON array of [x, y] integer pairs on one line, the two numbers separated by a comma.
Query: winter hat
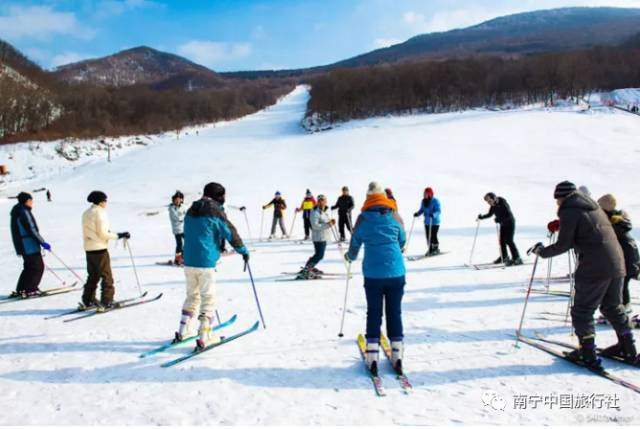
[[429, 192], [308, 193], [97, 197], [215, 191], [491, 195], [23, 197], [375, 188], [278, 193], [607, 202], [345, 189], [322, 197], [564, 189], [585, 190]]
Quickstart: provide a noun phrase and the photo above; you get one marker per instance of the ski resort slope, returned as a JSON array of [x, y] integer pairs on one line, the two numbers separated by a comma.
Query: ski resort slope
[[459, 322]]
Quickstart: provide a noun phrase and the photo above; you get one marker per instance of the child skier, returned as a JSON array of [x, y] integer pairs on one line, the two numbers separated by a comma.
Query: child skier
[[306, 208], [504, 217], [430, 208], [176, 216], [321, 225], [345, 205], [380, 229], [279, 206], [205, 227]]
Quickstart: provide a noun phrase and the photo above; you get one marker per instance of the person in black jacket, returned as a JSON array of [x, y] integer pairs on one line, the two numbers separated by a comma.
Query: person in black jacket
[[599, 276], [622, 227], [504, 217], [27, 242], [344, 205], [279, 206]]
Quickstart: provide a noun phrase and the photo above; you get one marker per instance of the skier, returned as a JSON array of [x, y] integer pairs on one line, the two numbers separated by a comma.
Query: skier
[[504, 217], [176, 216], [584, 226], [27, 242], [430, 208], [279, 206], [205, 226], [389, 193], [622, 227], [321, 225], [306, 207], [380, 229], [96, 235], [345, 205]]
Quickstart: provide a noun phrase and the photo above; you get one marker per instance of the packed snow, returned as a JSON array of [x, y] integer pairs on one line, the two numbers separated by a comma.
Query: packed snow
[[459, 322]]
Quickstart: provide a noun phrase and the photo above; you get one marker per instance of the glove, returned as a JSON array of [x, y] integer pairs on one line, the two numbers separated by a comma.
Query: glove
[[537, 249], [263, 207], [298, 209], [245, 257], [46, 246], [416, 214], [553, 226], [332, 222], [479, 217], [243, 208], [125, 235], [347, 258]]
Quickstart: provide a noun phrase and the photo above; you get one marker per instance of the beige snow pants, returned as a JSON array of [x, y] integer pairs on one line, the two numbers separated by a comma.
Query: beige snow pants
[[201, 291]]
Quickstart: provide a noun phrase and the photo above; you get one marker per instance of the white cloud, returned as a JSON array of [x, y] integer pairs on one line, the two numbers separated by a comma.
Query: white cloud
[[108, 8], [40, 22], [214, 54], [385, 43], [66, 58]]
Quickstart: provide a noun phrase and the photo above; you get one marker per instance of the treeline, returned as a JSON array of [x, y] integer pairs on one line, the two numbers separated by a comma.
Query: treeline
[[84, 111], [452, 85]]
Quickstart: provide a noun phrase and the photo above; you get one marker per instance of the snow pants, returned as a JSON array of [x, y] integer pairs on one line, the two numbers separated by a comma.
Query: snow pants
[[590, 294], [179, 243], [306, 217], [507, 232], [32, 271], [435, 243], [278, 221], [98, 269], [319, 247], [344, 221], [201, 291], [385, 293]]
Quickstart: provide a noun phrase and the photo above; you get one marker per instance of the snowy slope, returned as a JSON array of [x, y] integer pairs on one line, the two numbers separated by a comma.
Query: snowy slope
[[298, 371]]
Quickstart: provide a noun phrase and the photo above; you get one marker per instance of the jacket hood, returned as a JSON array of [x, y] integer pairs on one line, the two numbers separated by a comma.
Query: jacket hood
[[579, 201], [204, 207], [17, 208]]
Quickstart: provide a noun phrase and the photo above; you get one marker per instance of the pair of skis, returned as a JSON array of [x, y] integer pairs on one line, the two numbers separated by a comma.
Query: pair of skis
[[421, 257], [375, 378], [94, 311], [323, 276], [541, 344], [45, 293]]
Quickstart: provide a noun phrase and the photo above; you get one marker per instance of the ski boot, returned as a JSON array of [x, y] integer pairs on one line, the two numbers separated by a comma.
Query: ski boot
[[514, 262], [16, 294], [87, 305], [433, 251], [371, 357], [397, 352], [501, 260], [103, 307], [625, 349], [178, 260], [317, 271], [185, 322], [206, 336], [306, 237], [586, 355], [33, 293], [307, 274]]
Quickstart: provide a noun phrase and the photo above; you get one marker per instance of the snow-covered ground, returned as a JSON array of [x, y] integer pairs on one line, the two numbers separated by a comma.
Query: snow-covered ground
[[460, 354]]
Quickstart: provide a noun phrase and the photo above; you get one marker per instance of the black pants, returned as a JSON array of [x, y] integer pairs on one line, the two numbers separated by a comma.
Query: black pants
[[590, 294], [343, 221], [435, 244], [507, 232], [319, 248], [32, 271], [387, 294], [98, 268], [306, 217], [179, 243]]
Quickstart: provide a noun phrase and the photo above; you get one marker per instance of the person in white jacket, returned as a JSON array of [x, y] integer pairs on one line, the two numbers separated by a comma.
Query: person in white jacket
[[176, 216], [96, 235], [321, 224]]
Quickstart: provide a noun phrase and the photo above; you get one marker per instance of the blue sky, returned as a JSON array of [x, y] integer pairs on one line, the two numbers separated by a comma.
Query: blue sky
[[242, 34]]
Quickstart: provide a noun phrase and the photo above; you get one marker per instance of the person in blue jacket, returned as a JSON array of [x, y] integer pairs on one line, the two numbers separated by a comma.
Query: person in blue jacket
[[430, 208], [27, 242], [380, 229], [205, 227]]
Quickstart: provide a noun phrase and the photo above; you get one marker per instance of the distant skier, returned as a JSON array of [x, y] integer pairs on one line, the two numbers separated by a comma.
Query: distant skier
[[321, 224], [430, 208], [205, 226], [599, 276], [279, 206], [96, 235], [306, 208], [504, 217], [176, 216], [48, 195], [380, 229], [27, 242], [345, 206], [622, 227]]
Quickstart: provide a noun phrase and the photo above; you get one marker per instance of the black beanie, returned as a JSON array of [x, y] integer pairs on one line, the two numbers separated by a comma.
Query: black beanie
[[564, 189], [215, 191], [23, 197], [97, 197]]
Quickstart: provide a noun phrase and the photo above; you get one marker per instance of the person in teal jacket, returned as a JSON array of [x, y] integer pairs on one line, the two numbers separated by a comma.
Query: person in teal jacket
[[380, 229], [430, 208], [205, 227]]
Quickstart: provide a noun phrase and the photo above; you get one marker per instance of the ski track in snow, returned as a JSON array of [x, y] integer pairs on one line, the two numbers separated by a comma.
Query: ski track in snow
[[458, 321]]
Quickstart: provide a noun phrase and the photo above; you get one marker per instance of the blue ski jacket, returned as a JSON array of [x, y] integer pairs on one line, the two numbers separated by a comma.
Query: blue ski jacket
[[24, 231], [431, 210]]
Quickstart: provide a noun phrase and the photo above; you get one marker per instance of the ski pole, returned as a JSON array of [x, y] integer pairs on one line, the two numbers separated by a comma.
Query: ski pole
[[335, 236], [344, 306], [293, 222], [499, 243], [246, 219], [133, 264], [571, 291], [429, 236], [54, 274], [65, 265], [406, 246], [218, 317], [255, 293], [261, 225], [526, 300], [550, 262], [475, 239], [350, 224]]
